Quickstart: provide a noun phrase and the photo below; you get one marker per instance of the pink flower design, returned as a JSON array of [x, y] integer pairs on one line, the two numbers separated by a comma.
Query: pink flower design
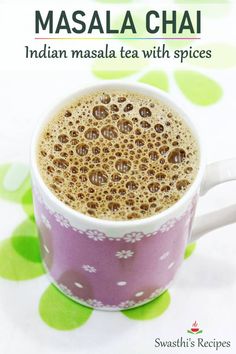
[[95, 235], [89, 268], [124, 254], [133, 237]]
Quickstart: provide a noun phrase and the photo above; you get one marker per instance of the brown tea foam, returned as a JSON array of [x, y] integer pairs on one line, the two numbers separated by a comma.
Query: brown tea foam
[[117, 155]]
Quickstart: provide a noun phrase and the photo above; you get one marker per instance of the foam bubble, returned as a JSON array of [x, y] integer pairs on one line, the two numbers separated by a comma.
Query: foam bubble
[[82, 149], [153, 155], [164, 149], [154, 187], [121, 99], [132, 185], [145, 125], [91, 133], [61, 163], [159, 128], [98, 177], [109, 132], [113, 206], [115, 177], [67, 114], [182, 184], [100, 112], [105, 98], [176, 156], [63, 138], [145, 112], [125, 126], [57, 147], [114, 108], [128, 107], [123, 165]]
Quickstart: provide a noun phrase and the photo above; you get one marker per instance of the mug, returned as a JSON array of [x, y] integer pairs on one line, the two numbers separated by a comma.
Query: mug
[[115, 265]]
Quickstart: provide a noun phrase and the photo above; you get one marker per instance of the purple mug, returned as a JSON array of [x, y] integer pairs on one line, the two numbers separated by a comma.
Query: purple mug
[[115, 265]]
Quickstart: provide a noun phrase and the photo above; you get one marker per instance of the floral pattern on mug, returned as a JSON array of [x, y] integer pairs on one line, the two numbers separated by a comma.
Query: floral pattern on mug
[[95, 235], [62, 220], [131, 237], [124, 254], [45, 221], [89, 268]]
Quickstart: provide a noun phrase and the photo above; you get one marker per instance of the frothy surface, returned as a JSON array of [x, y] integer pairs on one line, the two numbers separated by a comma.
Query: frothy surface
[[117, 155]]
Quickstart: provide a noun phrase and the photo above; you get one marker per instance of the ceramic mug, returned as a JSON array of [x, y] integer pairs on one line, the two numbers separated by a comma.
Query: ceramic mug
[[114, 265]]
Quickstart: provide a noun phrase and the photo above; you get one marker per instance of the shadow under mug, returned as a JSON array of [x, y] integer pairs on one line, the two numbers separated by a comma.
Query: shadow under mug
[[115, 265]]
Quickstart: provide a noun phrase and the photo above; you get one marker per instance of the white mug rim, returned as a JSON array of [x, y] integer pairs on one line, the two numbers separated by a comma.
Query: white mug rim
[[128, 86]]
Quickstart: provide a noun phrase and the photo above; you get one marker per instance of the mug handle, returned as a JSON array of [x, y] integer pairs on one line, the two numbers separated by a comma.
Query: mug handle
[[216, 173]]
